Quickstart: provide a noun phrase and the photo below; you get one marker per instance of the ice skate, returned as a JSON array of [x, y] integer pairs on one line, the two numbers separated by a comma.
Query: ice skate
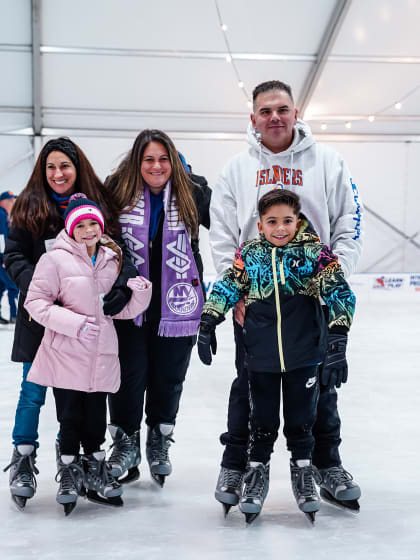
[[255, 488], [22, 481], [125, 456], [158, 442], [304, 475], [228, 488], [70, 477], [337, 488], [101, 487]]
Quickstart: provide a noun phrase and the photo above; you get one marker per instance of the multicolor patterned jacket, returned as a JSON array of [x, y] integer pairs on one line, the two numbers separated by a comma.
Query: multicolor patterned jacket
[[284, 327]]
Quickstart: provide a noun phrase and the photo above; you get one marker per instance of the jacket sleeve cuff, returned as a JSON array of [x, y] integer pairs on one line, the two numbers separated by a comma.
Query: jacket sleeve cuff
[[338, 329], [209, 322]]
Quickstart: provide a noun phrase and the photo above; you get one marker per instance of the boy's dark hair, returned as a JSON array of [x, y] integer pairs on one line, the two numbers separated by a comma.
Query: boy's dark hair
[[278, 196], [270, 86]]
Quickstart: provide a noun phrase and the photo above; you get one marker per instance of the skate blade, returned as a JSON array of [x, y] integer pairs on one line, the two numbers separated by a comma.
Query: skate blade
[[310, 516], [349, 505], [132, 475], [115, 501], [250, 517], [226, 508], [68, 508], [19, 501], [159, 479]]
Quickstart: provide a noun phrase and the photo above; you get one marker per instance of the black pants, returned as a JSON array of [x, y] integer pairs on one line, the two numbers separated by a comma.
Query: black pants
[[326, 429], [300, 390], [153, 364], [82, 419]]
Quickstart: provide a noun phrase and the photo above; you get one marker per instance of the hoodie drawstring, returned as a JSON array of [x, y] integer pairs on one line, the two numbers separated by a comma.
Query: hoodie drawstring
[[258, 135]]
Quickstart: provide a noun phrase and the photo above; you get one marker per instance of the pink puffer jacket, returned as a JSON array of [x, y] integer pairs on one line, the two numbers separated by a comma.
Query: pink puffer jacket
[[66, 275]]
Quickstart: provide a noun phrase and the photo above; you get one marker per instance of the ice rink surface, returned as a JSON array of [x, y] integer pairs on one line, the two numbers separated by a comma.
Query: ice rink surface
[[380, 411]]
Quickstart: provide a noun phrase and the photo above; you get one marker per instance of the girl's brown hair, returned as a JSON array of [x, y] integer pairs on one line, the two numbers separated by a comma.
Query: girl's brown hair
[[126, 183], [106, 241], [35, 209]]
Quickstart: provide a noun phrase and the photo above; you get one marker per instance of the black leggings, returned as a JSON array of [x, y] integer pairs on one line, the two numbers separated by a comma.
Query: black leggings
[[82, 418], [153, 364], [326, 429], [300, 396]]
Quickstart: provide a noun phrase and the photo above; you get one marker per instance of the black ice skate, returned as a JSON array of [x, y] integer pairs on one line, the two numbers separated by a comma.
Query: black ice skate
[[70, 476], [22, 481], [125, 456], [255, 488], [338, 488], [303, 476], [101, 487], [228, 488], [158, 442]]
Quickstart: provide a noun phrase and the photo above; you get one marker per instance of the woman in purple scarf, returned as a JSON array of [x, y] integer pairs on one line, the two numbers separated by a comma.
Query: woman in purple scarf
[[160, 209]]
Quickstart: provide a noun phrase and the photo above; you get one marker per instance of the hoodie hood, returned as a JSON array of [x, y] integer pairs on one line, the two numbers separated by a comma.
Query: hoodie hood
[[302, 139]]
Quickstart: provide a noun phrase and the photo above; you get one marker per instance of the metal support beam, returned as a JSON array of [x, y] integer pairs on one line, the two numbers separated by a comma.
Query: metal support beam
[[36, 68], [327, 43]]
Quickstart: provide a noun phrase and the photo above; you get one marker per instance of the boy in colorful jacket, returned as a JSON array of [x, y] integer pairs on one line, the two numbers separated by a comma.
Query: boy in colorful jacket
[[283, 274]]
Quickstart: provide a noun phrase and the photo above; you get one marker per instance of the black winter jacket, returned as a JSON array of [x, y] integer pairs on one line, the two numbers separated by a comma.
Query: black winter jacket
[[21, 254]]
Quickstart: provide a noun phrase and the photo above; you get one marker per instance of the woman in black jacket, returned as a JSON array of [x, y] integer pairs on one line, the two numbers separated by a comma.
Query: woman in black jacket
[[161, 209], [37, 217]]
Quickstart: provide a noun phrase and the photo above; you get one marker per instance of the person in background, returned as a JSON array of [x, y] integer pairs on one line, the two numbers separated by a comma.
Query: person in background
[[160, 210], [7, 199], [282, 153], [37, 217]]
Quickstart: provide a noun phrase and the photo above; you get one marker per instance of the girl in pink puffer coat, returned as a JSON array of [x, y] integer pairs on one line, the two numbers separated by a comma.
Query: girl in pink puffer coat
[[78, 355]]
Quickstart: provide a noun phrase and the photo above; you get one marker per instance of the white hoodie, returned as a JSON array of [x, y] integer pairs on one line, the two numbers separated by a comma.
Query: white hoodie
[[317, 173]]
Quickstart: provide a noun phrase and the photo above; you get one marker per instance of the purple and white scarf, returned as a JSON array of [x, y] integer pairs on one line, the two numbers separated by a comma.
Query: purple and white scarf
[[182, 297]]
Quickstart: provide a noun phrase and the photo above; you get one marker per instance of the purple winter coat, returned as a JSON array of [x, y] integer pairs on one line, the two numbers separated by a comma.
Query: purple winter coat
[[66, 275]]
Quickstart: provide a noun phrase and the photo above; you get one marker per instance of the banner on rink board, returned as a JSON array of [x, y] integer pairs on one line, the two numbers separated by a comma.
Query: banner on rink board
[[405, 284]]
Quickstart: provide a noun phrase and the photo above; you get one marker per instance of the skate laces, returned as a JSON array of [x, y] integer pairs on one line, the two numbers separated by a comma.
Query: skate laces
[[25, 468], [338, 475], [101, 472], [122, 449], [70, 476], [231, 478], [255, 481], [305, 479], [159, 446]]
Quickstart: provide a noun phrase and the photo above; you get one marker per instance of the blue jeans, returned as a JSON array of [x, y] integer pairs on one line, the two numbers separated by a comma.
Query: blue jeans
[[31, 398], [12, 291]]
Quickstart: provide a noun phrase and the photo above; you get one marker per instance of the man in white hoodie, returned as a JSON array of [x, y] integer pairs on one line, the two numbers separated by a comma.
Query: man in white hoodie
[[283, 154]]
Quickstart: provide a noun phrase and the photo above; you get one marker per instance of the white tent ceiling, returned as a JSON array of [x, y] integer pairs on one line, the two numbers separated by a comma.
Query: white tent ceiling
[[116, 67]]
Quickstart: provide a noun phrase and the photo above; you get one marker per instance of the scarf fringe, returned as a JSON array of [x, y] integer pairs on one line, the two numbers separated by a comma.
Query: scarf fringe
[[178, 328], [138, 321]]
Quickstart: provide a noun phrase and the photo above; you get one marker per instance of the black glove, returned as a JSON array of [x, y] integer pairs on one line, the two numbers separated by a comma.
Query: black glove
[[334, 370], [116, 300], [206, 343]]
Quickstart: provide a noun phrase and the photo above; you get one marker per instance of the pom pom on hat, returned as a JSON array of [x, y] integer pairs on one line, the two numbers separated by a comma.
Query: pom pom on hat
[[80, 208]]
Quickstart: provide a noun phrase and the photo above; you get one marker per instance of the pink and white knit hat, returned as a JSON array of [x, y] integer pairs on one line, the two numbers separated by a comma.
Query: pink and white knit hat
[[80, 208]]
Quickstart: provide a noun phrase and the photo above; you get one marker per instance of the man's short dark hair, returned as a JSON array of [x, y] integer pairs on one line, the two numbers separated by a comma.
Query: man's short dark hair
[[272, 86], [278, 196]]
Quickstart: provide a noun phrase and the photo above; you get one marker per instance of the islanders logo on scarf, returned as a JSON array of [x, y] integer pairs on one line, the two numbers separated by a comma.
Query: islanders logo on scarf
[[182, 297]]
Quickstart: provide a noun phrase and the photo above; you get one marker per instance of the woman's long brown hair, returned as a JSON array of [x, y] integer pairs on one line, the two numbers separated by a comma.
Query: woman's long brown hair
[[36, 211], [125, 184]]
